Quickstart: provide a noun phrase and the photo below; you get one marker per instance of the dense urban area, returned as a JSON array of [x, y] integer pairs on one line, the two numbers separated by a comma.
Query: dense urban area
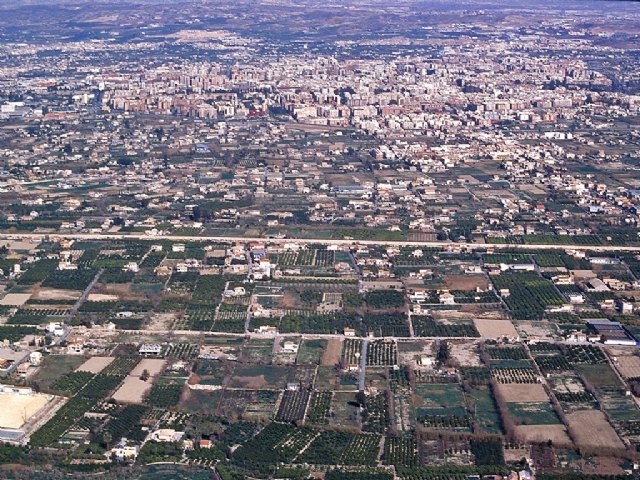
[[341, 240]]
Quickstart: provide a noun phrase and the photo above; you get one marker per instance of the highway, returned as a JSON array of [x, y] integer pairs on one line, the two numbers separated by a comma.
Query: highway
[[320, 241]]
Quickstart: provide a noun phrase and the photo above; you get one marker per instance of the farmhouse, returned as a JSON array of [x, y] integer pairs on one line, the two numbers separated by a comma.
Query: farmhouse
[[576, 298], [597, 285], [124, 453], [268, 329], [290, 347], [518, 267], [75, 348], [178, 247], [447, 298], [167, 435], [418, 295], [131, 267], [150, 349]]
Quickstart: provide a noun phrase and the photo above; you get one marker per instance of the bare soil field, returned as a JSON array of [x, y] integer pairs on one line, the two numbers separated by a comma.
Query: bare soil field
[[290, 300], [628, 365], [532, 189], [601, 465], [543, 433], [567, 384], [15, 299], [120, 290], [162, 321], [95, 364], [133, 390], [589, 428], [55, 294], [18, 409], [465, 354], [516, 454], [253, 383], [495, 328], [542, 330], [20, 244], [152, 365], [98, 297], [466, 282], [333, 352], [523, 393]]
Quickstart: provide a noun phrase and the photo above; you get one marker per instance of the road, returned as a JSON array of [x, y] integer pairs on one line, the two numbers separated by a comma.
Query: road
[[308, 336], [363, 365], [84, 296], [320, 241]]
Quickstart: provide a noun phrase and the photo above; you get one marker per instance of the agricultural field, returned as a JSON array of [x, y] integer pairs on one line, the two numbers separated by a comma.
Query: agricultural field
[[517, 375], [257, 350], [442, 406], [533, 413], [165, 394], [590, 428], [555, 433], [401, 451], [230, 318], [529, 294], [362, 450], [94, 391], [139, 381], [426, 326], [292, 406], [328, 378], [16, 333], [319, 410], [386, 325], [53, 368], [516, 352], [523, 393], [486, 414], [259, 405], [309, 322], [311, 352], [71, 383], [270, 377], [585, 355], [375, 413], [344, 409], [332, 353], [351, 352], [382, 353], [598, 375], [300, 402], [571, 393], [628, 365], [552, 363]]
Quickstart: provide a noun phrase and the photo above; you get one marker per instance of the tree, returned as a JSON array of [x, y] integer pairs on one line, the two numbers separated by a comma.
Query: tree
[[107, 438], [444, 352], [196, 214], [145, 375]]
